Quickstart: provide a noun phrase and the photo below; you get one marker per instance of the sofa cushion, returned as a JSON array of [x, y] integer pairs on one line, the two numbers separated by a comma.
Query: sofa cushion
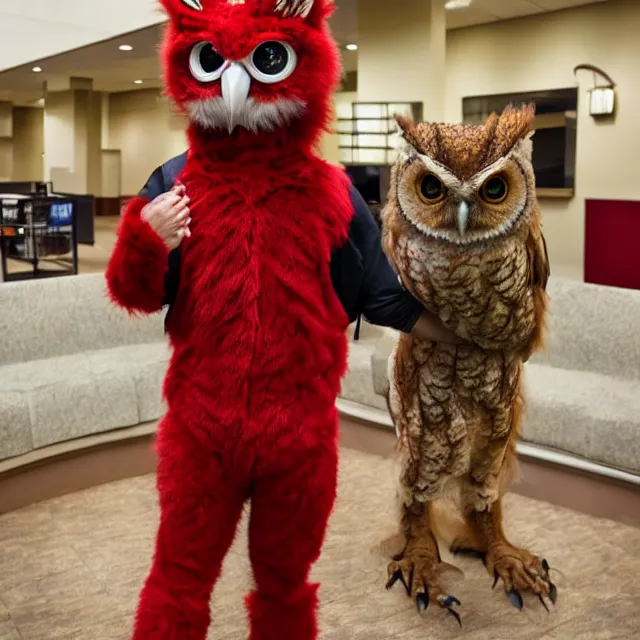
[[592, 328], [586, 414], [15, 432], [380, 361], [87, 393], [53, 317], [357, 385]]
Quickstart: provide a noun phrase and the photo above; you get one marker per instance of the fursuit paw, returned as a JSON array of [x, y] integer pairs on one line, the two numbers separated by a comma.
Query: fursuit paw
[[521, 571], [420, 575]]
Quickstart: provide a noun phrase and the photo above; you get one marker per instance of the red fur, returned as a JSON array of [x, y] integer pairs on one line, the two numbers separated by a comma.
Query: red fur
[[136, 270], [259, 343]]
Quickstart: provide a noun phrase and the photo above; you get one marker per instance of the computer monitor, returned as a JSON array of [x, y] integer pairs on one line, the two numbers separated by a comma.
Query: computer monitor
[[60, 214]]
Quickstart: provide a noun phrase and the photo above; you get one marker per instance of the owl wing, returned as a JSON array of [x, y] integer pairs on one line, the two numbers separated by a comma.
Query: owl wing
[[539, 269], [539, 272]]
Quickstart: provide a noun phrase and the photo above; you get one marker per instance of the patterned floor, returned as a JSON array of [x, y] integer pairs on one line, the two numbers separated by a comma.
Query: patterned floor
[[71, 569]]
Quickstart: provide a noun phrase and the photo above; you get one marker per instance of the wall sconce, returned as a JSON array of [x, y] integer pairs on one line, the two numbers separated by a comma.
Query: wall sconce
[[602, 98]]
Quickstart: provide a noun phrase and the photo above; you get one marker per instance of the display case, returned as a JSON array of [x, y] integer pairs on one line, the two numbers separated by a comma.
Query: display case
[[37, 237], [368, 131]]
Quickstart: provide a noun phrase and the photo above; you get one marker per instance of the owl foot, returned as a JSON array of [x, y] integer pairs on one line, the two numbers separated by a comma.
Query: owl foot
[[420, 577], [521, 571]]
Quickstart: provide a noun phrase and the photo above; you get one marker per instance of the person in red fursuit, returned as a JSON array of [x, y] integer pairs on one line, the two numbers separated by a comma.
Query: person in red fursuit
[[274, 255]]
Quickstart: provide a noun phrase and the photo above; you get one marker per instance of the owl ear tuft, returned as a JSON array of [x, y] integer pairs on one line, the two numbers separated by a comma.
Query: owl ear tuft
[[405, 124]]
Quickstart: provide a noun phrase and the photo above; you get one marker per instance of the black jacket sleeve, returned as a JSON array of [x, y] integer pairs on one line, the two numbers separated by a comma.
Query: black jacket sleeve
[[383, 301]]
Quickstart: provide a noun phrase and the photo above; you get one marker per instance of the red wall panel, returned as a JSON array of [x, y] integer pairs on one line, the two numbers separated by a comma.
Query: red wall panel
[[612, 243]]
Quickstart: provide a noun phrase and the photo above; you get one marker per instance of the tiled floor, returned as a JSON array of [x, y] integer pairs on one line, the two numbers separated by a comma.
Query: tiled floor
[[71, 569]]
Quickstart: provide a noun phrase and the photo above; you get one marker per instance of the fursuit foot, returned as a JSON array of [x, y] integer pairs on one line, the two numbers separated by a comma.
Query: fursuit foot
[[520, 571], [419, 574]]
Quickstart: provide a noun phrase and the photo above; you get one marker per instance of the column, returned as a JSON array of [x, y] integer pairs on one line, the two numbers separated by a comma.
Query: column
[[6, 141], [72, 136], [402, 53]]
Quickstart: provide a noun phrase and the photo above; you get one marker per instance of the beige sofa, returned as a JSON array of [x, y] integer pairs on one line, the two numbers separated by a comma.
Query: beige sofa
[[583, 393], [73, 366]]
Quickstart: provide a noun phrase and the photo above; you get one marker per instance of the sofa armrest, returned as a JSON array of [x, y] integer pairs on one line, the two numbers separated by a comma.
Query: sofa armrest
[[380, 361]]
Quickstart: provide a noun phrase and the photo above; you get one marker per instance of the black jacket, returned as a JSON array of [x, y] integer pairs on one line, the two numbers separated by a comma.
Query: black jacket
[[361, 273]]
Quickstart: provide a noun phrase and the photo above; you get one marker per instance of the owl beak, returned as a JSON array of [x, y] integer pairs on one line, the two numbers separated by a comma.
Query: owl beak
[[463, 217], [236, 83]]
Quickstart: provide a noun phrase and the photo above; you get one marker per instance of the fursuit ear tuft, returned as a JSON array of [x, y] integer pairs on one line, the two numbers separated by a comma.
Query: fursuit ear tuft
[[196, 5], [294, 8]]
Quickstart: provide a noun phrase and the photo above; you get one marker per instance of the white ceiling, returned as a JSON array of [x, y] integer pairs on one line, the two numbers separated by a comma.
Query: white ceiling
[[35, 29], [484, 11], [113, 70]]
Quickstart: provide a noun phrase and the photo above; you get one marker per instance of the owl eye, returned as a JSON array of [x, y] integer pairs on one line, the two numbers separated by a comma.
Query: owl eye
[[272, 62], [430, 189], [206, 64], [494, 190]]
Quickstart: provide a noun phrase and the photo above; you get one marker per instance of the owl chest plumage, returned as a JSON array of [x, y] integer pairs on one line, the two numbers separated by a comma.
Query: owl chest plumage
[[457, 399], [483, 292], [256, 299]]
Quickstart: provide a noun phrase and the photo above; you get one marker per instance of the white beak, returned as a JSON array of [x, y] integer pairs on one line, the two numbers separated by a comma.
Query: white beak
[[463, 217], [236, 83]]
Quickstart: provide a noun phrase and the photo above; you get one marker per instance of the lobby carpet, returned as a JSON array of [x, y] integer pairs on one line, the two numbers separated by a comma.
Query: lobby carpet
[[71, 569]]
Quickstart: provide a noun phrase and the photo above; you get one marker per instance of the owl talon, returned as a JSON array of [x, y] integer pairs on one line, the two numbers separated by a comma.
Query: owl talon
[[422, 601], [553, 593], [496, 578], [397, 575], [456, 615], [516, 599], [544, 604]]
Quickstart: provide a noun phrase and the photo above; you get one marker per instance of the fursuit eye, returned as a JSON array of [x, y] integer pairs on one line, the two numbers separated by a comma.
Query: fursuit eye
[[272, 62], [430, 189], [206, 63], [494, 190]]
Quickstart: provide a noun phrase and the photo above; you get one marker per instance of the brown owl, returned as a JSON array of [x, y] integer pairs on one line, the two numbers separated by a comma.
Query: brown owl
[[462, 228]]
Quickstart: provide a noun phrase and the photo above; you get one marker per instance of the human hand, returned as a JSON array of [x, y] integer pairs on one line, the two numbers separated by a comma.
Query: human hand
[[169, 216], [429, 327]]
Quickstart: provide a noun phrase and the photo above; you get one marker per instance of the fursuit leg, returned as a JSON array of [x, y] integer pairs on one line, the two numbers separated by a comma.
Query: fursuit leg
[[289, 514], [200, 510]]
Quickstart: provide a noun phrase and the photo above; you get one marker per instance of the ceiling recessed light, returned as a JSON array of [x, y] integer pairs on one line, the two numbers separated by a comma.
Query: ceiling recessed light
[[457, 4], [352, 47], [125, 47], [137, 82], [36, 69]]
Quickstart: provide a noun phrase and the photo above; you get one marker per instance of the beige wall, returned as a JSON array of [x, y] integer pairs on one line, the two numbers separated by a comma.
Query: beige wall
[[143, 127], [6, 159], [28, 144], [401, 54], [540, 53], [73, 139], [59, 140]]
